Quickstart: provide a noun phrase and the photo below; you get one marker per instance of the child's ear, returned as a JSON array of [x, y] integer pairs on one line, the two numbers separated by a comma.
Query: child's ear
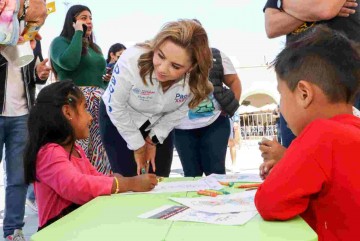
[[67, 111], [305, 93]]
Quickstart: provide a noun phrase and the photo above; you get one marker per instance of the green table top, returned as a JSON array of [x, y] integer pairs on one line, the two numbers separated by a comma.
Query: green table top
[[116, 218]]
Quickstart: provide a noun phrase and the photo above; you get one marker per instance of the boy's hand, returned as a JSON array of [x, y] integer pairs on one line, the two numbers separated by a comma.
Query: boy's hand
[[266, 168], [271, 150]]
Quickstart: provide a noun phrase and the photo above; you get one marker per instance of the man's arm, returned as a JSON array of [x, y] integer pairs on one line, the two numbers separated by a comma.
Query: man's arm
[[278, 23], [313, 10]]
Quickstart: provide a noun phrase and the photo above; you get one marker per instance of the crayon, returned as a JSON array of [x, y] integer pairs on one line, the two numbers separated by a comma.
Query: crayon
[[220, 192], [214, 191], [250, 185], [206, 193], [252, 188]]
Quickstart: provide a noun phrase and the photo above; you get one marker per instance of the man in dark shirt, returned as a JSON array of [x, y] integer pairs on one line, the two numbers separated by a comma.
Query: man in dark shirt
[[294, 18]]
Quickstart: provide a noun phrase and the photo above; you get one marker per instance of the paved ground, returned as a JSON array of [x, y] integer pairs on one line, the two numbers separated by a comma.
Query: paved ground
[[248, 158]]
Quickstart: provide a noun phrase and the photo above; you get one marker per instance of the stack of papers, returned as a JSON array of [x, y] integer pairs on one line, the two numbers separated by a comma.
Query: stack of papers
[[185, 186], [233, 209]]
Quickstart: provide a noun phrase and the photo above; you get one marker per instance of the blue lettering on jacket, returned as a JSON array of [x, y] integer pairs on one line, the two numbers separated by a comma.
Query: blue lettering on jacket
[[116, 69], [180, 97]]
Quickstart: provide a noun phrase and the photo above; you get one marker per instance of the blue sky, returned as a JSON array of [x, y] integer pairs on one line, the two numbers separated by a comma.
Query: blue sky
[[236, 27]]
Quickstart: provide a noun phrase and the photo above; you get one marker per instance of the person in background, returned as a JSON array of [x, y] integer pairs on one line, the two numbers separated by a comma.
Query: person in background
[[17, 95], [114, 54], [294, 19], [62, 175], [75, 56], [318, 177], [201, 139], [234, 139], [276, 117], [151, 89]]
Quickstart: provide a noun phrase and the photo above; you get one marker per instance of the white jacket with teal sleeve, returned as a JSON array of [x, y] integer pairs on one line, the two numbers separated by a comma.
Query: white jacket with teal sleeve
[[129, 103]]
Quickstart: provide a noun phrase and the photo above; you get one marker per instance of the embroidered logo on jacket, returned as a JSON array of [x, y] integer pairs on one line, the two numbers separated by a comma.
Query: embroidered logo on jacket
[[179, 98]]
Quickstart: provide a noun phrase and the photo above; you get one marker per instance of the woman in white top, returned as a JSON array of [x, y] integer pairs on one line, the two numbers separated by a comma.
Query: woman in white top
[[152, 87], [201, 138]]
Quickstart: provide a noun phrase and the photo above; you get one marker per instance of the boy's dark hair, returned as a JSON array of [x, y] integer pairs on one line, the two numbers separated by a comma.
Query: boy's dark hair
[[324, 57], [47, 123], [113, 49]]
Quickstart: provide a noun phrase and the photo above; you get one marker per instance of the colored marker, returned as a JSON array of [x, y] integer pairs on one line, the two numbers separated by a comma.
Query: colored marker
[[214, 191], [224, 192], [206, 193], [250, 185]]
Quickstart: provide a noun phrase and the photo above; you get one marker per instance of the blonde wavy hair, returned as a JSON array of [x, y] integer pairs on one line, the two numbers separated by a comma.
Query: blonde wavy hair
[[191, 36]]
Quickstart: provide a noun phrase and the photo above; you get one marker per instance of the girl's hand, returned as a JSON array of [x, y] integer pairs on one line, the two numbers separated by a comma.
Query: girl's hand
[[140, 160], [143, 183], [150, 153]]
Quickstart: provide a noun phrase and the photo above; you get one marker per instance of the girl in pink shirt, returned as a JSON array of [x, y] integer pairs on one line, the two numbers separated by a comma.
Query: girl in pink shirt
[[63, 177]]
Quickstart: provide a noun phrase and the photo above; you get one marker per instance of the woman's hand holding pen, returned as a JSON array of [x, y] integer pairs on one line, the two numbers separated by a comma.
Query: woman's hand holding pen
[[140, 158], [150, 153]]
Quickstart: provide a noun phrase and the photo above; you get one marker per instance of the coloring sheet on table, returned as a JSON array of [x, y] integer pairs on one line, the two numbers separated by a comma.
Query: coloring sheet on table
[[182, 213], [185, 186], [237, 177], [232, 203]]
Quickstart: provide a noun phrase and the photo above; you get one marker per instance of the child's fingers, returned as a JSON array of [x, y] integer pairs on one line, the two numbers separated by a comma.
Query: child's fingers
[[264, 148], [266, 142]]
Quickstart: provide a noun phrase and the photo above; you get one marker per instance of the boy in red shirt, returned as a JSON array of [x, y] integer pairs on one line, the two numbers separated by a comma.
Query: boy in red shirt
[[319, 175]]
